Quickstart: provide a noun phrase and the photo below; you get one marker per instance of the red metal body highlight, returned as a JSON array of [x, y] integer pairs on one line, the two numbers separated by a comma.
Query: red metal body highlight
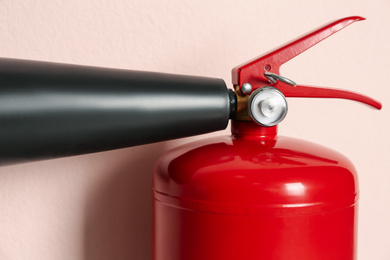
[[254, 195]]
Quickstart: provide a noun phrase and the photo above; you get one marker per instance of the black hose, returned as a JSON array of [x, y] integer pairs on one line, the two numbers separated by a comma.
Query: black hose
[[52, 110]]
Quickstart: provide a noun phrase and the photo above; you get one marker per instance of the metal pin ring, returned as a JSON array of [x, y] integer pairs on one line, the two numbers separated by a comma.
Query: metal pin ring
[[272, 77]]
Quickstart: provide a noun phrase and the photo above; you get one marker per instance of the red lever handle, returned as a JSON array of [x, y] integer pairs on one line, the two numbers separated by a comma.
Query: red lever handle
[[253, 71], [318, 92]]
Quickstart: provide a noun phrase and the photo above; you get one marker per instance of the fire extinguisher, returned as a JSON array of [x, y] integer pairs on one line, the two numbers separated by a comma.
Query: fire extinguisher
[[251, 195]]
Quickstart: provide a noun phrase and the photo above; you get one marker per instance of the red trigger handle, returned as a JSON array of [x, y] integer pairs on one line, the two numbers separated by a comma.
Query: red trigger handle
[[318, 92], [254, 71]]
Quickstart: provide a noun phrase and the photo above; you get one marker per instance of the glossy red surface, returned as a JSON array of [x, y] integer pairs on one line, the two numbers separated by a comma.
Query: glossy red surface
[[254, 195], [252, 71]]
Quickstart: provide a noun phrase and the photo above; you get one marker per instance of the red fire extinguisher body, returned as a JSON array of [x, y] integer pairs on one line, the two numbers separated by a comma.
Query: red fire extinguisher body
[[254, 195]]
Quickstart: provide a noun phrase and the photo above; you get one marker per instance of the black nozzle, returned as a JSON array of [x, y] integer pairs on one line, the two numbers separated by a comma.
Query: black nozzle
[[52, 110]]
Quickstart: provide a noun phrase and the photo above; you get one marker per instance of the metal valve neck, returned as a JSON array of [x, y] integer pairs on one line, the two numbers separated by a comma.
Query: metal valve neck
[[252, 130]]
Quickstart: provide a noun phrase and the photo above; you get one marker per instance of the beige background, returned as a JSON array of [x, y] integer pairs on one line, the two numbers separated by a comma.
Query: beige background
[[98, 206]]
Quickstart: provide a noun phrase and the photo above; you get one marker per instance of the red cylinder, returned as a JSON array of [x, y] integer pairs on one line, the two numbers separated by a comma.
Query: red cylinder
[[254, 195]]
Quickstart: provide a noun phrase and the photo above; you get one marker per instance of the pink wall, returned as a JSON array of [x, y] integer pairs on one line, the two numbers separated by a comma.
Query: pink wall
[[98, 206]]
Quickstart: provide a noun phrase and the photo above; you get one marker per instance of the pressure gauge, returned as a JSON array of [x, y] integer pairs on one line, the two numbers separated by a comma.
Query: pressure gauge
[[267, 106]]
